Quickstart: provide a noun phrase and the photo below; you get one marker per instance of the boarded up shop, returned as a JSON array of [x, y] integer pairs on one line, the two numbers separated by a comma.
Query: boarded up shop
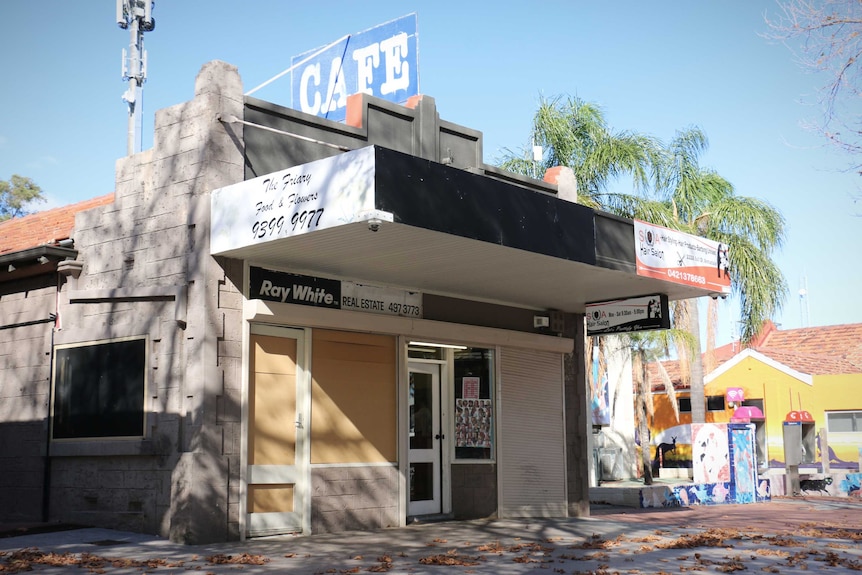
[[288, 324]]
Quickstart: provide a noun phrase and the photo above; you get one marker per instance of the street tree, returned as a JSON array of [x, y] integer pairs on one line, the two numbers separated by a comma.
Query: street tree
[[16, 196], [697, 200], [672, 189], [650, 347], [826, 38], [574, 133]]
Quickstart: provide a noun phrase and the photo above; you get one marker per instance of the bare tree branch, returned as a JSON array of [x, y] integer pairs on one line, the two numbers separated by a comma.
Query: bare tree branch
[[826, 38]]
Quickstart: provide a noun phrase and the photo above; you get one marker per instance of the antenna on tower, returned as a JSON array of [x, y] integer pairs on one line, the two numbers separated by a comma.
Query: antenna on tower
[[137, 17], [803, 301]]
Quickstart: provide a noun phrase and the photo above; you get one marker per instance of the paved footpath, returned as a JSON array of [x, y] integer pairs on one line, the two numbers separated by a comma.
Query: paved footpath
[[793, 535]]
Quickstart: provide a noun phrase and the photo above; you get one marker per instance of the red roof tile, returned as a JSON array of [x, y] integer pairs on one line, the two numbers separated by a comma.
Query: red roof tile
[[822, 350], [44, 228]]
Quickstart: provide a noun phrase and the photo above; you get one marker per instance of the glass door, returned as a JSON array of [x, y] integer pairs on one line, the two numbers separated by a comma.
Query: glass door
[[426, 439]]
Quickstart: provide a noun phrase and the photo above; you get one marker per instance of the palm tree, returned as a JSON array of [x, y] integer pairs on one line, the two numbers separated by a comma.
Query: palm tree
[[674, 191], [701, 202], [574, 133], [649, 347]]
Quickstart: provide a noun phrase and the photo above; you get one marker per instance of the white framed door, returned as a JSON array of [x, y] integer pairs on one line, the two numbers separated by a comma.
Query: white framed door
[[278, 410], [426, 440]]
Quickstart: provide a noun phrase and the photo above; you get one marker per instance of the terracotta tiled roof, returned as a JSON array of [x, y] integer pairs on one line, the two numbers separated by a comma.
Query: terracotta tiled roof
[[44, 228], [823, 350], [836, 341]]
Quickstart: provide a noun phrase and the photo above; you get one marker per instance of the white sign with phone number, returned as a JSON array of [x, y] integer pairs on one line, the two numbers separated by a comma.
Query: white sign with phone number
[[318, 195]]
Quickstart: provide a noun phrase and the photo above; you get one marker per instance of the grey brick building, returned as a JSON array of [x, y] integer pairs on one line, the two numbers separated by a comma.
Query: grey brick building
[[281, 323]]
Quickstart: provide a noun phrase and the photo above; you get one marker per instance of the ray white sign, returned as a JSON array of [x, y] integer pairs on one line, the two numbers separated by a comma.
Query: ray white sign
[[318, 195], [284, 287]]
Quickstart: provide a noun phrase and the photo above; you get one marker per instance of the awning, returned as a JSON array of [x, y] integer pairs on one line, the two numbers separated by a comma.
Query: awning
[[393, 219]]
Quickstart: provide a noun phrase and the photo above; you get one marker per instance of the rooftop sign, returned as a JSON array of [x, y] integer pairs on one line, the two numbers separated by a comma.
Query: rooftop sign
[[381, 61]]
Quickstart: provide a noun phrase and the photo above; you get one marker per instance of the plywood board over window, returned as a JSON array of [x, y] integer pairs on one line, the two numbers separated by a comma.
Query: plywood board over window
[[353, 413], [272, 411]]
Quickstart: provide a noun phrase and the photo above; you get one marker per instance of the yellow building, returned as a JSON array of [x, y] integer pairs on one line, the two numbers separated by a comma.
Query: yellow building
[[784, 376]]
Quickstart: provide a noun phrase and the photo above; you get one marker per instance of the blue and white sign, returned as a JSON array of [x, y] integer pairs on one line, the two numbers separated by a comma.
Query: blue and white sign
[[382, 61]]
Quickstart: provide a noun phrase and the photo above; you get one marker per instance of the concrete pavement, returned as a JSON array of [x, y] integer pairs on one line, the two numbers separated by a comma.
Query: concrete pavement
[[791, 535]]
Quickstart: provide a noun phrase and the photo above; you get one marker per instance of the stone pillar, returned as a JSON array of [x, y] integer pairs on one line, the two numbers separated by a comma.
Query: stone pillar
[[195, 153], [577, 422]]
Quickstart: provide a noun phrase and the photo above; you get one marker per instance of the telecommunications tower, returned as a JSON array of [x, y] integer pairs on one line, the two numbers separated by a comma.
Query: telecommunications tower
[[803, 301], [137, 17]]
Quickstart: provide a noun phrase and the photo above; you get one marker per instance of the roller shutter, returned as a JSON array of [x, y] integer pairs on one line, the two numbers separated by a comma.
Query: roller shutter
[[532, 440]]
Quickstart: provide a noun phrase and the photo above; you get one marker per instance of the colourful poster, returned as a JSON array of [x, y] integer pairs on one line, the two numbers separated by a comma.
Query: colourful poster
[[473, 419]]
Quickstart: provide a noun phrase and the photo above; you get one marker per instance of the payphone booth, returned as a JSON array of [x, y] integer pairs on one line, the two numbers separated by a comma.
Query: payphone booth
[[800, 446], [800, 438], [734, 397], [753, 415]]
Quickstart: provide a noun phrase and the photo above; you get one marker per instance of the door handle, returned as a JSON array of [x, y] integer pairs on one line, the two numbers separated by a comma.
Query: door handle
[[439, 436]]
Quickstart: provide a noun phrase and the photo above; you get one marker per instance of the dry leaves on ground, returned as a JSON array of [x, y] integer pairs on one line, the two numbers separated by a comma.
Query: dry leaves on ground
[[24, 559], [242, 559]]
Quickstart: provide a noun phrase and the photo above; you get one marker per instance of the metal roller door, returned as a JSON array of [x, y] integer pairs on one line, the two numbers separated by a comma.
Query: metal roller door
[[532, 438]]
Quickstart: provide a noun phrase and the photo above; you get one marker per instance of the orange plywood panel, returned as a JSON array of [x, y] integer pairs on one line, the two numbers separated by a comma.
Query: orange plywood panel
[[354, 412], [272, 402], [270, 498], [272, 354]]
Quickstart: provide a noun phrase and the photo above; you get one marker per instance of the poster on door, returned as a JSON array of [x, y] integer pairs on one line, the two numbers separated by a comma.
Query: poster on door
[[473, 419]]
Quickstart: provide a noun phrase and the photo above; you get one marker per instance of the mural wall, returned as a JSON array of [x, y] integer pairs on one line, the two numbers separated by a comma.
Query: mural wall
[[780, 392], [724, 470]]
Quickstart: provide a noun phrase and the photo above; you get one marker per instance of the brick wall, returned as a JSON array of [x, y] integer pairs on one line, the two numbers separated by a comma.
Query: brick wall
[[147, 271], [25, 359], [474, 490], [352, 498]]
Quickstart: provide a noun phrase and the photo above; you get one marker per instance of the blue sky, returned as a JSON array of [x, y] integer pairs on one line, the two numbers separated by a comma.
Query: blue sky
[[654, 67]]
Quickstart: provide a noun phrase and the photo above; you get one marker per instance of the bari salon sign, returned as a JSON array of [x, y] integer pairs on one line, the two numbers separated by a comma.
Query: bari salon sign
[[381, 61], [681, 258], [626, 315]]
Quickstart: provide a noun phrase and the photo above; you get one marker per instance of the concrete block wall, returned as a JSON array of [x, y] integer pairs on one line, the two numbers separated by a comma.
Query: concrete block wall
[[25, 366], [147, 271], [353, 498], [474, 490], [414, 129]]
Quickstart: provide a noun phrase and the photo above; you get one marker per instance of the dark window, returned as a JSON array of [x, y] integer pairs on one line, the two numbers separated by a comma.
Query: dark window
[[99, 390], [715, 403], [474, 406], [758, 403], [684, 404]]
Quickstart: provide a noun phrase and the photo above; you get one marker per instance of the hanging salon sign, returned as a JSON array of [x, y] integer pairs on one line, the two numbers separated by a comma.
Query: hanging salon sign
[[681, 258], [382, 61], [626, 315], [283, 287]]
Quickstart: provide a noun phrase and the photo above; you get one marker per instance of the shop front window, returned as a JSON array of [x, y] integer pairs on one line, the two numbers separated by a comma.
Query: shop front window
[[99, 389], [474, 403]]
